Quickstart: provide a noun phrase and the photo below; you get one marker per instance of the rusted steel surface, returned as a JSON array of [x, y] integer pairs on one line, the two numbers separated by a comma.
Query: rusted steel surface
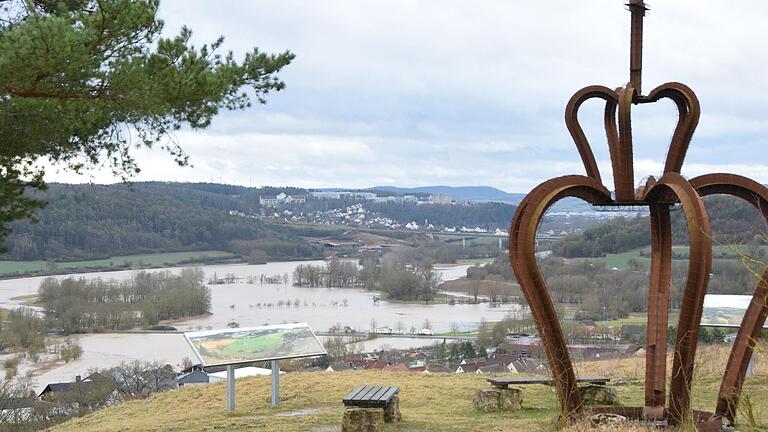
[[577, 133], [754, 318], [699, 266], [522, 251], [659, 195], [658, 305]]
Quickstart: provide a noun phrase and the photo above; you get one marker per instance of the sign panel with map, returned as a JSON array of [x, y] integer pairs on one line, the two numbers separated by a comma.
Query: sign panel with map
[[248, 345], [724, 310]]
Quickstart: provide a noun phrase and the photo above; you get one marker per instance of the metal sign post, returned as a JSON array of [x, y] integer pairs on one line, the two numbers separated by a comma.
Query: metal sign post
[[213, 348], [230, 388], [275, 383]]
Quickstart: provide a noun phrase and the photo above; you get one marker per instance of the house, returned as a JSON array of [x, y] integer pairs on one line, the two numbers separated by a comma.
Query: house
[[51, 390], [505, 359], [298, 199], [492, 369], [396, 367], [469, 367], [428, 369], [526, 366], [20, 410], [440, 198], [378, 364], [635, 350], [268, 201], [195, 377]]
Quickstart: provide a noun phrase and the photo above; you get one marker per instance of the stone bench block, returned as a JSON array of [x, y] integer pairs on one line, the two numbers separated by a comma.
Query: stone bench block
[[598, 395], [392, 410], [490, 399], [363, 420]]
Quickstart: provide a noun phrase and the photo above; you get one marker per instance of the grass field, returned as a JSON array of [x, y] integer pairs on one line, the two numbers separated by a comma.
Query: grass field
[[435, 402], [620, 261], [145, 260]]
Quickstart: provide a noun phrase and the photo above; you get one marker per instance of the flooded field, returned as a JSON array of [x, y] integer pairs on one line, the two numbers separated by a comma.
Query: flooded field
[[246, 304]]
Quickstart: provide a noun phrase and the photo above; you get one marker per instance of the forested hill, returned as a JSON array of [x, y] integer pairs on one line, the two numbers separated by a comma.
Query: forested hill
[[733, 221], [102, 221], [91, 221]]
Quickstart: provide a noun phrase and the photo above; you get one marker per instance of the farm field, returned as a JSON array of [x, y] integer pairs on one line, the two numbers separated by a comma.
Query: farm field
[[144, 260]]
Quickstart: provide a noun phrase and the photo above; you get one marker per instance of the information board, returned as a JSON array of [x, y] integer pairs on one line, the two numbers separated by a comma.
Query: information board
[[722, 310], [247, 345]]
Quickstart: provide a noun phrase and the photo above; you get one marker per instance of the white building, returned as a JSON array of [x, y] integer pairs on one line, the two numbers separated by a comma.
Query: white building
[[440, 199]]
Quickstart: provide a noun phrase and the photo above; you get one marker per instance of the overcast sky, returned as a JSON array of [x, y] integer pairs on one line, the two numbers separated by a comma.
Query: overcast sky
[[414, 93]]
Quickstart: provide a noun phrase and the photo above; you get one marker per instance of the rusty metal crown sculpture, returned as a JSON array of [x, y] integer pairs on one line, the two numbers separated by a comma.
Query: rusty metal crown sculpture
[[659, 195]]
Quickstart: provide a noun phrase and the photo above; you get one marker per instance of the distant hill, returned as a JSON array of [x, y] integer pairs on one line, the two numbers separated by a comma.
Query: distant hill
[[469, 193], [84, 221], [733, 221]]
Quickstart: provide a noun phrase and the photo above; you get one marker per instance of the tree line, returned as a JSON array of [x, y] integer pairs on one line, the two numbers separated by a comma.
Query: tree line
[[81, 305], [393, 275], [733, 221], [601, 292], [101, 221]]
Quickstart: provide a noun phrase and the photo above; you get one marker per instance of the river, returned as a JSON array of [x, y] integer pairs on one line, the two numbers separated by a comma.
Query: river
[[239, 302]]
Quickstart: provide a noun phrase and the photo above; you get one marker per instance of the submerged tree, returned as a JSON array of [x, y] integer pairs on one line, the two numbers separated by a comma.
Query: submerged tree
[[82, 82]]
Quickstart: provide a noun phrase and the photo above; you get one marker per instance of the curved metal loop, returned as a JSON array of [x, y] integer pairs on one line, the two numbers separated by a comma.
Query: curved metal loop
[[522, 253], [754, 318], [699, 266], [689, 112], [577, 133]]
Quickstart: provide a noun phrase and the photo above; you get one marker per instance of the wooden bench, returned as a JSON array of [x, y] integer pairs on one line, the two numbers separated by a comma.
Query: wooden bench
[[370, 396], [506, 382], [369, 407]]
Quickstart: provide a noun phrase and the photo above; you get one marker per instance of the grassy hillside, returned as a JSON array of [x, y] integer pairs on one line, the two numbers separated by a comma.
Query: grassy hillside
[[438, 402], [719, 252]]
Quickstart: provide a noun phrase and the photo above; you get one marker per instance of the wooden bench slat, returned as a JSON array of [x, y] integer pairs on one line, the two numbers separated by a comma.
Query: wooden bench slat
[[353, 393], [365, 395], [505, 382], [370, 396], [391, 391], [376, 396]]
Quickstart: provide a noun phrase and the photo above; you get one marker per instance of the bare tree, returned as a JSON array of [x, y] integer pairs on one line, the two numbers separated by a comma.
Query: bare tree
[[139, 379], [474, 288], [454, 327]]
